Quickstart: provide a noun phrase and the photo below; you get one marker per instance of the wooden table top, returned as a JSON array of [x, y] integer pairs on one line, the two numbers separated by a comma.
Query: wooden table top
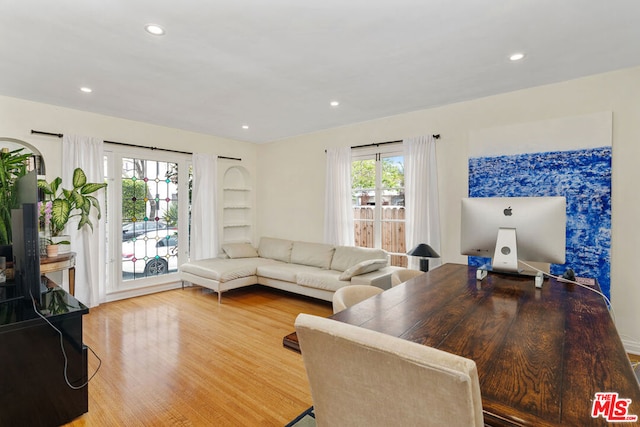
[[49, 264], [541, 355]]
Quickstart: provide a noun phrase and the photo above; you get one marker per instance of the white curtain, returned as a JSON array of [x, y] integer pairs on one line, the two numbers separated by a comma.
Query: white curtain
[[87, 153], [338, 214], [204, 207], [421, 189]]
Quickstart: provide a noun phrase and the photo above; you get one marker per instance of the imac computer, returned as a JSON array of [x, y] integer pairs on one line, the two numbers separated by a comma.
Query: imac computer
[[508, 229]]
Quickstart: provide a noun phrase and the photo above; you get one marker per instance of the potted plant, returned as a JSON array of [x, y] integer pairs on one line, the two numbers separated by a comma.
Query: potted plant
[[62, 204], [13, 165]]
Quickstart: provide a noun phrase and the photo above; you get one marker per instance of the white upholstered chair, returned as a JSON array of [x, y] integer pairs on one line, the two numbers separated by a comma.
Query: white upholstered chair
[[361, 377], [352, 294], [401, 276]]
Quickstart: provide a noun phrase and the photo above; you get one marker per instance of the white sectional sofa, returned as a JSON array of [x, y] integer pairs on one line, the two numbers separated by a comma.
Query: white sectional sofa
[[313, 269]]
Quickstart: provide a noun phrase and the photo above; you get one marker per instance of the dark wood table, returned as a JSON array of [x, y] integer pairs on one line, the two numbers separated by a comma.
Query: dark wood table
[[542, 355]]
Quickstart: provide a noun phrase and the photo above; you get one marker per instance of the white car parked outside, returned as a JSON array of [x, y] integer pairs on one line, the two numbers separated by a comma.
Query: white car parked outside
[[152, 253]]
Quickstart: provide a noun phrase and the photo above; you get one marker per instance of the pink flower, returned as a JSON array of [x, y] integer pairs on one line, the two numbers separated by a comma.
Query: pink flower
[[45, 213]]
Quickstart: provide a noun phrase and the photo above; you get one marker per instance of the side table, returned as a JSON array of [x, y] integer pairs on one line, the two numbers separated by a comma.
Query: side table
[[66, 261]]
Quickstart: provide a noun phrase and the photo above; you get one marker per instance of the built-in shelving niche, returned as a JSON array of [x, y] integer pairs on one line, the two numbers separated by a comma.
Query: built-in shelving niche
[[237, 219]]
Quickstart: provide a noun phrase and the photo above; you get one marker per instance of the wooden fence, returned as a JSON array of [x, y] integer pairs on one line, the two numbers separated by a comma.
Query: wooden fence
[[393, 230]]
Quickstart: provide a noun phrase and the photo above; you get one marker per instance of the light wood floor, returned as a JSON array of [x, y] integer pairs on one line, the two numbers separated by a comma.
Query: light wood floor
[[177, 358]]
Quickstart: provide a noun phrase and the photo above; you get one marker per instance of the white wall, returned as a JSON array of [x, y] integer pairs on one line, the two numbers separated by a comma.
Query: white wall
[[18, 117], [290, 192]]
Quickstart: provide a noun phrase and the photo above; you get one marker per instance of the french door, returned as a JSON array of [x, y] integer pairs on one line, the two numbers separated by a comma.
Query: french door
[[147, 215], [378, 201]]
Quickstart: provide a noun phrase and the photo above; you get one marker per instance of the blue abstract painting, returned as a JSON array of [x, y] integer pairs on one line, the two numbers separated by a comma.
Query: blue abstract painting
[[582, 176]]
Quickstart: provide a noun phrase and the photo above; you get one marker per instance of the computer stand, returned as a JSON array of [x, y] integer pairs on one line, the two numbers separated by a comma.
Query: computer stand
[[481, 274]]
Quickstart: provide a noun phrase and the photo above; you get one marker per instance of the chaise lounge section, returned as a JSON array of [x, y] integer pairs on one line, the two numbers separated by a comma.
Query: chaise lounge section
[[312, 269]]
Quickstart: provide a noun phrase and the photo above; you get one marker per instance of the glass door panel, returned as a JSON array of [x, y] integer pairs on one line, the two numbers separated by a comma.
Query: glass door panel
[[149, 218]]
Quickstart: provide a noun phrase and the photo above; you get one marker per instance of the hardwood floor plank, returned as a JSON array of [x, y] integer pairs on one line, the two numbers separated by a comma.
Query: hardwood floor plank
[[178, 358]]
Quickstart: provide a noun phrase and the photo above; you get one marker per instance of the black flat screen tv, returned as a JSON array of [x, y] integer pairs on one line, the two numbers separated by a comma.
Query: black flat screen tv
[[26, 242]]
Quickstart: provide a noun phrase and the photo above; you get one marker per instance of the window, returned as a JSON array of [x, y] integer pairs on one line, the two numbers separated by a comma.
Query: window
[[148, 200], [378, 201]]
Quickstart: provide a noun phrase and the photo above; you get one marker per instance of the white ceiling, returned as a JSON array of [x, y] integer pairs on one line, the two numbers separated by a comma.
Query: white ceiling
[[276, 64]]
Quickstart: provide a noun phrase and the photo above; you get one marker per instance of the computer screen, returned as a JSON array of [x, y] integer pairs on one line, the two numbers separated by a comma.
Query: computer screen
[[508, 229]]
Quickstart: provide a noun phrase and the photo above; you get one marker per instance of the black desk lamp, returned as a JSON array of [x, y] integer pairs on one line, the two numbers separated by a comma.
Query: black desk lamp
[[425, 252]]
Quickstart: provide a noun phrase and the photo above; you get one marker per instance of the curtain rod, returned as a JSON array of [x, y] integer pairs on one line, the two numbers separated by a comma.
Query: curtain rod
[[59, 135], [375, 144]]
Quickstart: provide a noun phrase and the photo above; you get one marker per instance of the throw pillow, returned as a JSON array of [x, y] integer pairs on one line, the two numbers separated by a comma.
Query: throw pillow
[[239, 250], [363, 267]]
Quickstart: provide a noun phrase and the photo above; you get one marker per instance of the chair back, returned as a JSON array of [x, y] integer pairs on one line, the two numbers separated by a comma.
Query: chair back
[[401, 276], [363, 377], [352, 294]]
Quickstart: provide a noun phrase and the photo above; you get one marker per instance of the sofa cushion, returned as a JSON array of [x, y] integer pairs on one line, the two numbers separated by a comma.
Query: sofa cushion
[[283, 271], [278, 249], [348, 256], [363, 267], [325, 279], [239, 250], [224, 270], [313, 254]]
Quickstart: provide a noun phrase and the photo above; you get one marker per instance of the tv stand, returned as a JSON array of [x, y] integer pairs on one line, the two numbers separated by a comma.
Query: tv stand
[[34, 391]]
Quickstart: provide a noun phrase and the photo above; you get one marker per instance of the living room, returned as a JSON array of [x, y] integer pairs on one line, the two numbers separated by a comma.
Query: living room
[[288, 175]]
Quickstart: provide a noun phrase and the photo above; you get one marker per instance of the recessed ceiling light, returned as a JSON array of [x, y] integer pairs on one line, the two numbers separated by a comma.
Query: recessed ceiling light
[[245, 126], [516, 56], [86, 89], [334, 103], [154, 29]]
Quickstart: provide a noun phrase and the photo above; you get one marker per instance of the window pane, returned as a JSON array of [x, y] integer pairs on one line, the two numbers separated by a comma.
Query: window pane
[[364, 226], [393, 234], [393, 172], [363, 182], [150, 218]]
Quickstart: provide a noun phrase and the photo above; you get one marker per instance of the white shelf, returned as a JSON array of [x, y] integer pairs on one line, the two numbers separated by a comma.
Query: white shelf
[[237, 217]]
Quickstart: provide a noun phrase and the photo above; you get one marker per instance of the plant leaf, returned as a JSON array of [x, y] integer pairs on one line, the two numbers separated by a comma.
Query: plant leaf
[[60, 214], [96, 204], [79, 178], [92, 187]]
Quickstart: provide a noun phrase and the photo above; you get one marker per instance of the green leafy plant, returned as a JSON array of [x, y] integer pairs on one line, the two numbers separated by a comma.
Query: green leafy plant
[[69, 203], [48, 242], [13, 165]]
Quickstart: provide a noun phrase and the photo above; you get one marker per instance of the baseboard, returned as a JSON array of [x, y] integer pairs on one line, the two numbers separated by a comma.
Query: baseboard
[[632, 347], [137, 292]]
